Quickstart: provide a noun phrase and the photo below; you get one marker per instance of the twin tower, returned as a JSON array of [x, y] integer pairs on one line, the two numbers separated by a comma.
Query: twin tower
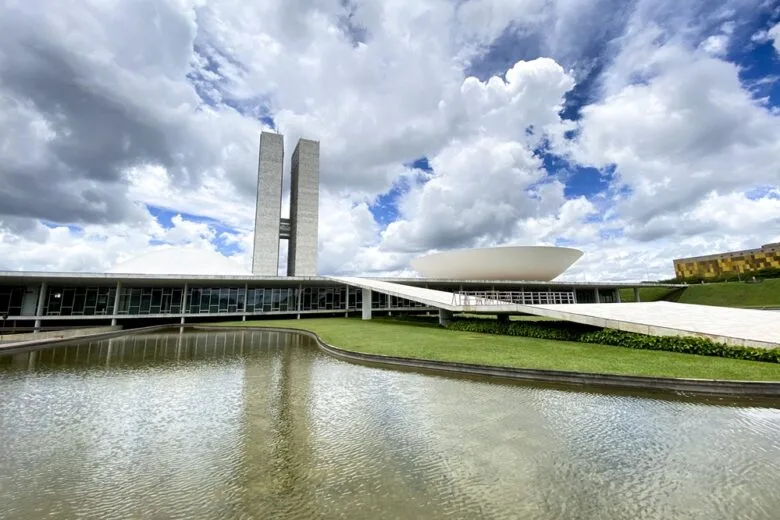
[[300, 229]]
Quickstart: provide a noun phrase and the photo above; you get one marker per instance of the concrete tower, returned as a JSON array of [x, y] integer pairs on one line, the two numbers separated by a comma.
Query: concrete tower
[[268, 210], [301, 228], [304, 209]]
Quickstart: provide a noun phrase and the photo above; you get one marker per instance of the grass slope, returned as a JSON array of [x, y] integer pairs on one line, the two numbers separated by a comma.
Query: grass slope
[[734, 294], [649, 294], [425, 342], [728, 294]]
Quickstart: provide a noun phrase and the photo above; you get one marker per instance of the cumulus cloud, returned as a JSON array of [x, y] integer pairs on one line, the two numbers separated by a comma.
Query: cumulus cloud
[[774, 34], [690, 129], [133, 126]]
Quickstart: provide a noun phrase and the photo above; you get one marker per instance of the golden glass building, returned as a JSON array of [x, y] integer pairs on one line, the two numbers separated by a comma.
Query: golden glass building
[[732, 263]]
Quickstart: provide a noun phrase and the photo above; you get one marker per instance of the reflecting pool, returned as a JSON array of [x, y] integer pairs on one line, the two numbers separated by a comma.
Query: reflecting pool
[[262, 425]]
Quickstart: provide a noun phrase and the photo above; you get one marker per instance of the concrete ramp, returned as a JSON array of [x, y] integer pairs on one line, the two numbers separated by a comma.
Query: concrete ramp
[[429, 297], [739, 327]]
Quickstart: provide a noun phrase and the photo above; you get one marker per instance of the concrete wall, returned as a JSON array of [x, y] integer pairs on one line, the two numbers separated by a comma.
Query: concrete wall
[[304, 209], [265, 256], [50, 334]]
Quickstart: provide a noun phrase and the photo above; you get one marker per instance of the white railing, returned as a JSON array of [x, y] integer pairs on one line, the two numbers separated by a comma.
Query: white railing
[[495, 298]]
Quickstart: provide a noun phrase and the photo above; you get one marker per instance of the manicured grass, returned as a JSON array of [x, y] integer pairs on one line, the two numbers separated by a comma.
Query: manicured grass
[[734, 294], [426, 342], [723, 294], [649, 294]]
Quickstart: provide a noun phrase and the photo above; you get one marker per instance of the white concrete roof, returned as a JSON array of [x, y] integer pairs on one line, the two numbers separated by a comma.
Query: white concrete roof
[[741, 327]]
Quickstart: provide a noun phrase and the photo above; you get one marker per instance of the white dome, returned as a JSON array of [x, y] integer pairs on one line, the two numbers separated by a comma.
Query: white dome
[[526, 263], [179, 260]]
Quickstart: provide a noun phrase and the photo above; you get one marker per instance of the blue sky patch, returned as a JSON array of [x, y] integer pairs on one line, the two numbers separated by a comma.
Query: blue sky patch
[[165, 216], [385, 208], [762, 192], [74, 229]]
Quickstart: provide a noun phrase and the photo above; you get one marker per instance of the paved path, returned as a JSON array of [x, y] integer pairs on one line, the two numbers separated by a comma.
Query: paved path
[[747, 327]]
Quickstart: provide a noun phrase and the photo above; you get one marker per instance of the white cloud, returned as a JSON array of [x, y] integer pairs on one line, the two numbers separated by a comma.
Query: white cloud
[[774, 35], [110, 107], [717, 44], [690, 129]]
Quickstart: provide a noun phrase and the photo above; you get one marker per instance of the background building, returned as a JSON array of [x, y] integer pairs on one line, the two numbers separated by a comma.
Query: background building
[[733, 263]]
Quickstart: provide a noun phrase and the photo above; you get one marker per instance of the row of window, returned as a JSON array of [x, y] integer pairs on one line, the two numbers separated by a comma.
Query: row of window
[[94, 301]]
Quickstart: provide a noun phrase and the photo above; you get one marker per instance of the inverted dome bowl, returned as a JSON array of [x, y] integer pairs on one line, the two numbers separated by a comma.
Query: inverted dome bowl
[[526, 263]]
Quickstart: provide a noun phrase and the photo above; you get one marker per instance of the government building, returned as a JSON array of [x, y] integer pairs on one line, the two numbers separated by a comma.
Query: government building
[[730, 264], [216, 288]]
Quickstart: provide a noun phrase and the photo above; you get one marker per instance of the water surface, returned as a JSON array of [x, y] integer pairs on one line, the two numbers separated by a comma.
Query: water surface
[[262, 425]]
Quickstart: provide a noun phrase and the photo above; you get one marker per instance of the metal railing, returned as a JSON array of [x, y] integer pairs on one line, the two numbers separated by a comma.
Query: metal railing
[[496, 298]]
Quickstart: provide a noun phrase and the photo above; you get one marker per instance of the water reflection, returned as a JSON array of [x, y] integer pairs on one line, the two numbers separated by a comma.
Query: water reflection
[[261, 425]]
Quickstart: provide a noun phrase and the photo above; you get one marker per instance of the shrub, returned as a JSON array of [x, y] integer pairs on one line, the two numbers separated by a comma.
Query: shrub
[[567, 331]]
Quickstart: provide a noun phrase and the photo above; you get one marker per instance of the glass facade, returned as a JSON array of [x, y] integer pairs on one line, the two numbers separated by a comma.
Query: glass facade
[[278, 299], [150, 300], [204, 300], [11, 300], [65, 300], [388, 302], [79, 301]]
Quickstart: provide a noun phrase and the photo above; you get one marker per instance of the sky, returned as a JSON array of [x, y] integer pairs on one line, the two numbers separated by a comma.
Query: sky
[[638, 131]]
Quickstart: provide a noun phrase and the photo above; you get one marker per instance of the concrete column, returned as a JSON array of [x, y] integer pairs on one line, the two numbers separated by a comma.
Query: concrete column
[[300, 297], [617, 295], [636, 294], [366, 304], [184, 302], [596, 295], [346, 302], [445, 317], [246, 297], [39, 306], [115, 309]]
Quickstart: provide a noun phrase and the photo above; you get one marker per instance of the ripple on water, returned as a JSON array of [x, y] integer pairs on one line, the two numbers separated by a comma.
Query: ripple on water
[[259, 425]]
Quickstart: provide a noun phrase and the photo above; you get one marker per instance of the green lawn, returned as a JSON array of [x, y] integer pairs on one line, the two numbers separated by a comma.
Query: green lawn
[[425, 342], [734, 294], [649, 294], [726, 294]]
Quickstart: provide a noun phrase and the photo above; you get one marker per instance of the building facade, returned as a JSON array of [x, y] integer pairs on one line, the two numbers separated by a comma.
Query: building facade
[[52, 299], [301, 228], [732, 263]]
